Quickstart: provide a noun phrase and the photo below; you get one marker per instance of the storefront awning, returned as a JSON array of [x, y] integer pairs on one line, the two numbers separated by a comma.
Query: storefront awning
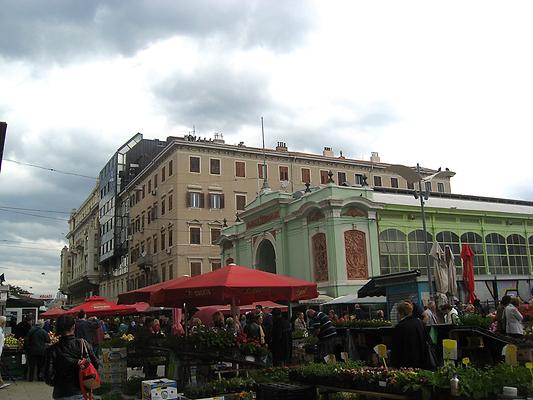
[[376, 286]]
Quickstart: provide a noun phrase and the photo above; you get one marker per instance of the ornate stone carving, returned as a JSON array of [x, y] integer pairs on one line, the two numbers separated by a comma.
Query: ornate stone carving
[[320, 257], [356, 258], [353, 212], [315, 215]]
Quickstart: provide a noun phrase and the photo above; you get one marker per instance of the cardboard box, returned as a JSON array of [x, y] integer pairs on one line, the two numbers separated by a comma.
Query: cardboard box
[[159, 389]]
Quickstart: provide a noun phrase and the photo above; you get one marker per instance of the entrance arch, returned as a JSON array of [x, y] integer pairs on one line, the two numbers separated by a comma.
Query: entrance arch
[[265, 256]]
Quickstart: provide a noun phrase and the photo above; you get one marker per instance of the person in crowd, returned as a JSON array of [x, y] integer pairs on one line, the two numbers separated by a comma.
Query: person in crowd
[[259, 309], [243, 321], [61, 361], [501, 325], [34, 347], [332, 316], [479, 308], [3, 320], [218, 320], [230, 326], [451, 316], [469, 309], [267, 324], [237, 321], [281, 339], [418, 311], [156, 327], [252, 329], [22, 328], [123, 328], [262, 335], [409, 345], [132, 328], [196, 325], [429, 316], [99, 336], [321, 326], [513, 319], [358, 312], [164, 321], [380, 314], [299, 323], [86, 329], [48, 326]]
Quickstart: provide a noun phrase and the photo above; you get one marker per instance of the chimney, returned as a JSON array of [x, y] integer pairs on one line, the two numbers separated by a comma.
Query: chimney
[[375, 157], [328, 152], [282, 146], [219, 138]]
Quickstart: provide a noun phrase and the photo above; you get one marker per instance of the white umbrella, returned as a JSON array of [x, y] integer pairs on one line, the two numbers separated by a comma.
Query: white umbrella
[[452, 271], [441, 269]]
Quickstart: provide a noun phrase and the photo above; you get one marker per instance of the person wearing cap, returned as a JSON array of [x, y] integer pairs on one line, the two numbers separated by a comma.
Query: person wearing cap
[[35, 346]]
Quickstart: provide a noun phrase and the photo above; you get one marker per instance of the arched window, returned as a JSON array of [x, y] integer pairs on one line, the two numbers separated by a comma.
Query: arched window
[[497, 254], [447, 238], [516, 248], [393, 251], [418, 251], [476, 243]]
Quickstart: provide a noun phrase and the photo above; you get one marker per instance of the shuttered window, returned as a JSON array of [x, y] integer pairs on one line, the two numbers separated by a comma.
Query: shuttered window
[[240, 169]]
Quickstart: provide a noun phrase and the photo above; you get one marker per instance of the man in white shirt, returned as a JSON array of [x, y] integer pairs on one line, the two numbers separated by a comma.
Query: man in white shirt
[[513, 319]]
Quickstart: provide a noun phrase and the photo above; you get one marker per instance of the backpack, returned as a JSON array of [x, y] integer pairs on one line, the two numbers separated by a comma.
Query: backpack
[[88, 374]]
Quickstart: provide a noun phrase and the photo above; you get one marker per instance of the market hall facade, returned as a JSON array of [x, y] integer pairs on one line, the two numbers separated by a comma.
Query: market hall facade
[[341, 236]]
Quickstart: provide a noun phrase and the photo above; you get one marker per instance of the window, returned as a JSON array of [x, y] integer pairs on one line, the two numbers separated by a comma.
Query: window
[[260, 169], [440, 187], [214, 166], [163, 273], [137, 196], [163, 208], [516, 247], [170, 272], [341, 178], [148, 245], [306, 175], [170, 237], [476, 243], [215, 265], [155, 243], [194, 235], [323, 177], [215, 234], [142, 220], [417, 250], [195, 200], [170, 199], [240, 202], [170, 168], [394, 182], [155, 181], [163, 174], [240, 169], [359, 179], [149, 215], [377, 180], [150, 186], [447, 238], [283, 173], [216, 200], [163, 240], [194, 164], [196, 268], [393, 251], [144, 191], [410, 185], [428, 187], [496, 254]]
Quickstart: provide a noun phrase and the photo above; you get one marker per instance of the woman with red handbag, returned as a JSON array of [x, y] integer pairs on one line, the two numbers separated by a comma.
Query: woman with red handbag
[[63, 361]]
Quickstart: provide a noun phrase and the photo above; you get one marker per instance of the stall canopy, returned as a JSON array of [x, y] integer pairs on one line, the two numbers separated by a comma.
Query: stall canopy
[[53, 313], [98, 306], [353, 299], [234, 285], [143, 294]]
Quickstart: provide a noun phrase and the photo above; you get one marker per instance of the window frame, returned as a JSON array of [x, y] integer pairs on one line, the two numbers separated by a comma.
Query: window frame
[[237, 203], [377, 178], [194, 227], [219, 229], [324, 176], [191, 262], [343, 173], [199, 165], [279, 173], [211, 159], [235, 168], [394, 182]]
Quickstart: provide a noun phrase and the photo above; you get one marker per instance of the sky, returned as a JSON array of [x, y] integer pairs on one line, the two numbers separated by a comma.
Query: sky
[[445, 84]]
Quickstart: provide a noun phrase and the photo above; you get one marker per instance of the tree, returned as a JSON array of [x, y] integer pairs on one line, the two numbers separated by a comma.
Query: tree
[[18, 291]]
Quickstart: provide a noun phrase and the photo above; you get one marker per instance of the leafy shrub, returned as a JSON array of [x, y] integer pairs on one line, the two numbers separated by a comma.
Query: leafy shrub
[[132, 386]]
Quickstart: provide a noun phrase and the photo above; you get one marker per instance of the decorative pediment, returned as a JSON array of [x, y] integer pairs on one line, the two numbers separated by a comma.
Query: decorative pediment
[[315, 215], [353, 212]]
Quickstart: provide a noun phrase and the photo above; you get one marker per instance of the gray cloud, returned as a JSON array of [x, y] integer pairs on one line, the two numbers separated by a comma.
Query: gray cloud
[[62, 30]]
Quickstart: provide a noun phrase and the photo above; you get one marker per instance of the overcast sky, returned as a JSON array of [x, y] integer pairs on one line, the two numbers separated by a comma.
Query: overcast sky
[[441, 83]]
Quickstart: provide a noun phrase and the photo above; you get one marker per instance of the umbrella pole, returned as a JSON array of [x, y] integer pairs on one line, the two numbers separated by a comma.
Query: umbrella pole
[[186, 319]]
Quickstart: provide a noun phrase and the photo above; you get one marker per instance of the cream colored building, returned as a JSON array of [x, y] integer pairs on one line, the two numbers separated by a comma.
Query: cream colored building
[[80, 276], [181, 200]]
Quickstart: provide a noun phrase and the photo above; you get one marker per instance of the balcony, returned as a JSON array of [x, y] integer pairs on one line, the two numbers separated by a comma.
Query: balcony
[[144, 261]]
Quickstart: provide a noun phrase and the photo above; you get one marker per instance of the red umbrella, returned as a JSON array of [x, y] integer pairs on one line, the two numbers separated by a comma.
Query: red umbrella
[[467, 255], [53, 313], [143, 294], [234, 285], [98, 306]]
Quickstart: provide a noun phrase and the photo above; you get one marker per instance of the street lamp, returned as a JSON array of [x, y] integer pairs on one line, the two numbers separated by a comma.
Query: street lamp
[[414, 176]]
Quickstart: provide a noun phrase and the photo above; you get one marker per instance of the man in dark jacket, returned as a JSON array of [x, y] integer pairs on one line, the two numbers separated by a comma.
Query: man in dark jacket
[[34, 347], [86, 328], [61, 361], [23, 327], [281, 339], [409, 345]]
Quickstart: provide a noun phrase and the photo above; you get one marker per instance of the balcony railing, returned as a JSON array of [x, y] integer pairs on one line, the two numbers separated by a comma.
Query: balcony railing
[[144, 261]]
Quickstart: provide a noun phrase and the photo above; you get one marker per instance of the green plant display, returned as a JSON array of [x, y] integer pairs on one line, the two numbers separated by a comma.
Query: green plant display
[[133, 386], [363, 323], [476, 320]]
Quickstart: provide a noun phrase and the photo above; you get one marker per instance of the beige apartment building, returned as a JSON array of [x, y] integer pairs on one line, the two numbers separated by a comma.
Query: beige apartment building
[[80, 276], [179, 203]]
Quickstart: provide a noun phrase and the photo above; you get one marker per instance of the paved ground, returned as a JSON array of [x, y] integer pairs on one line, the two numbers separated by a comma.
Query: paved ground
[[22, 390]]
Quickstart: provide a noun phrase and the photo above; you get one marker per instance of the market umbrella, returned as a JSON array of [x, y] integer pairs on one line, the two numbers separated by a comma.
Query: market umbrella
[[441, 272], [98, 306], [234, 285], [53, 313], [143, 294], [452, 271], [467, 255]]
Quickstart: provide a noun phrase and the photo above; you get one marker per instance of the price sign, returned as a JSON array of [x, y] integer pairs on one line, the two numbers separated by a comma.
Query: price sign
[[509, 351], [381, 350], [449, 349]]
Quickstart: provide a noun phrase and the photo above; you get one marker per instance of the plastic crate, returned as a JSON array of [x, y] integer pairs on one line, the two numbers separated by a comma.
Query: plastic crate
[[285, 391]]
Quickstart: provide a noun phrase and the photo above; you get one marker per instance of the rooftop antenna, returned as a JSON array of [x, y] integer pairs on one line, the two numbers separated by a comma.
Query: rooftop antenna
[[265, 188]]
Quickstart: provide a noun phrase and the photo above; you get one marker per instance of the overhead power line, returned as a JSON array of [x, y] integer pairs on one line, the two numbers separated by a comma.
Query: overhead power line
[[34, 209], [50, 169], [33, 215], [31, 248]]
